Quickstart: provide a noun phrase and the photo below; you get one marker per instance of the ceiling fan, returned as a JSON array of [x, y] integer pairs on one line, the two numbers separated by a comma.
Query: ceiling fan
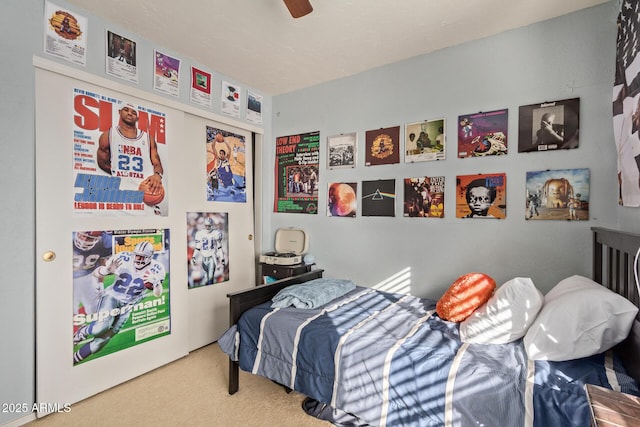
[[298, 8]]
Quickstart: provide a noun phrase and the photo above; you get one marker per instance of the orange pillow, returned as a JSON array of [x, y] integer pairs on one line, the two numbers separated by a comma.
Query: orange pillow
[[464, 296]]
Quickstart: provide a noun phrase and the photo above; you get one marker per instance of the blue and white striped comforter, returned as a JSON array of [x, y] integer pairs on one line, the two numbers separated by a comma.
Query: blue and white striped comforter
[[390, 360]]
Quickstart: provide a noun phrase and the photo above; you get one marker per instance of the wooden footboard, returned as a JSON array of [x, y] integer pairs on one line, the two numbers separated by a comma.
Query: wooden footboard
[[241, 301]]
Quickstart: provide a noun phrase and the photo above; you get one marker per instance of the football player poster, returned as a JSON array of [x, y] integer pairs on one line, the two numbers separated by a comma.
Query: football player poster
[[226, 171], [424, 197], [483, 134], [119, 156], [297, 172], [382, 146], [549, 126], [120, 290], [207, 248], [558, 194], [481, 196]]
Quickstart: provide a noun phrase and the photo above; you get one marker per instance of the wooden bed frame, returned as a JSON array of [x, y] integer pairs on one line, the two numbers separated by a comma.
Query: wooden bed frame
[[613, 267]]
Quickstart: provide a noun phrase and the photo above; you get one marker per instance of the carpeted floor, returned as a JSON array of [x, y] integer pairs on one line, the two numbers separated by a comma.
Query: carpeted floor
[[191, 391]]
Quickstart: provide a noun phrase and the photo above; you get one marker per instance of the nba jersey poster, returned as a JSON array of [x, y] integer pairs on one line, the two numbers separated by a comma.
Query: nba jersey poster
[[297, 170], [119, 156], [226, 172], [120, 290]]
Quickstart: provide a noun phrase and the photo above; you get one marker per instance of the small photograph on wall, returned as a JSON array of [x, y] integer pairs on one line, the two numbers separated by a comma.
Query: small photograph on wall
[[207, 248], [379, 197], [121, 57], [481, 196], [342, 199], [341, 151], [549, 126], [120, 290], [558, 194], [483, 134], [225, 166], [382, 146], [424, 197], [424, 141]]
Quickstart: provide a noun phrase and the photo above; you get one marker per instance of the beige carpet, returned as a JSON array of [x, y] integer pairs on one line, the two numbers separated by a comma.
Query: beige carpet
[[191, 391]]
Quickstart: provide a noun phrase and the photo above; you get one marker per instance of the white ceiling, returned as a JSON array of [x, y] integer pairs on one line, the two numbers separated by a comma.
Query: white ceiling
[[258, 43]]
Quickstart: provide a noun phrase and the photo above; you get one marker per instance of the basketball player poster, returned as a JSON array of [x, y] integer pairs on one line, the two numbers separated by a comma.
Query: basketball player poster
[[226, 173], [119, 156]]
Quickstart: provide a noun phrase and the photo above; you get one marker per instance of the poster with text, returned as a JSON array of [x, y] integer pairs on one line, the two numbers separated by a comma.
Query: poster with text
[[297, 173], [65, 34], [226, 166], [483, 134], [558, 194], [207, 248], [119, 156], [166, 74], [424, 197], [342, 199], [120, 290], [254, 107], [382, 146], [121, 57], [549, 126], [424, 141], [379, 197], [481, 196], [230, 99], [201, 87]]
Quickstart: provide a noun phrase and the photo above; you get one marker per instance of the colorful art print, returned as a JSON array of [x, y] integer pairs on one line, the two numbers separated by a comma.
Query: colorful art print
[[114, 185], [226, 166], [483, 134], [425, 141], [341, 152], [297, 173], [558, 194], [120, 290], [481, 196], [424, 197], [207, 248], [549, 126], [382, 146], [379, 197], [166, 74], [342, 199]]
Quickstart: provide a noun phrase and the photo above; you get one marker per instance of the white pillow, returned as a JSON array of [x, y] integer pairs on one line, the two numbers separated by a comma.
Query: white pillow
[[579, 318], [507, 315]]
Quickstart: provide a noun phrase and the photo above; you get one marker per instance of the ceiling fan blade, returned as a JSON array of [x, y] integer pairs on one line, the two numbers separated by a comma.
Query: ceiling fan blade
[[298, 8]]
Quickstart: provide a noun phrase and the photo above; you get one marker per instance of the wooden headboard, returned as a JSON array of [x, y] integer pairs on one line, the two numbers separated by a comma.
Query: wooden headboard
[[613, 267]]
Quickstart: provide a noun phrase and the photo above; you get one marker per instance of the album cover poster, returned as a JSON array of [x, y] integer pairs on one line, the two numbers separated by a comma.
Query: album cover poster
[[549, 126], [424, 141], [481, 196], [558, 194], [166, 74], [121, 57], [201, 87], [382, 146], [65, 34], [341, 151], [424, 197], [483, 134], [379, 197], [297, 171], [342, 199]]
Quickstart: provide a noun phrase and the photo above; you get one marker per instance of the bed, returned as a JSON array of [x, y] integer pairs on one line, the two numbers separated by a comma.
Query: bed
[[377, 358]]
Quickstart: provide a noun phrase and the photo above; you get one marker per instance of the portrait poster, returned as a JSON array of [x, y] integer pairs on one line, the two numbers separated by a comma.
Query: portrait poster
[[561, 194], [481, 196], [626, 105], [341, 150], [425, 141], [254, 107], [201, 87], [230, 99], [424, 197], [121, 57], [226, 166], [297, 173], [549, 126], [65, 34], [379, 197], [166, 74], [117, 183], [382, 146], [207, 248], [120, 290], [342, 199], [483, 134]]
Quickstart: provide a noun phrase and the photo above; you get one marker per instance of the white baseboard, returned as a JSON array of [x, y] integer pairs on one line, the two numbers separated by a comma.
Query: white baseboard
[[20, 421]]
